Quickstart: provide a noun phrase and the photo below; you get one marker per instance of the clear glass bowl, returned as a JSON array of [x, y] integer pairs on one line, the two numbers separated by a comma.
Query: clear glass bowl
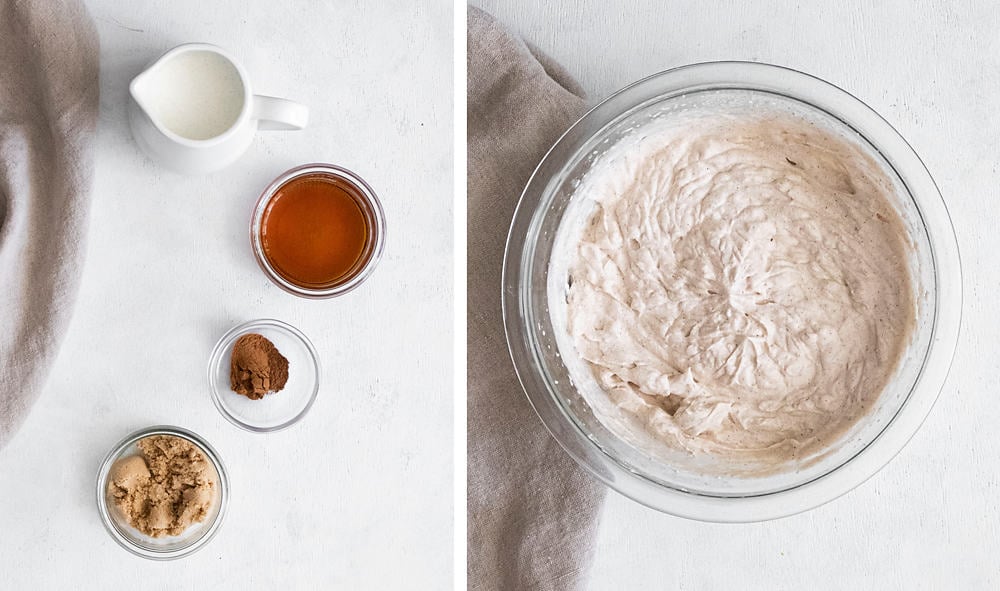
[[370, 207], [167, 548], [532, 288], [277, 410]]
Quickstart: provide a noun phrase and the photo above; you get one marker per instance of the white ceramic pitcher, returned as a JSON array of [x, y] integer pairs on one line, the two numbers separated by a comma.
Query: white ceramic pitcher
[[193, 110]]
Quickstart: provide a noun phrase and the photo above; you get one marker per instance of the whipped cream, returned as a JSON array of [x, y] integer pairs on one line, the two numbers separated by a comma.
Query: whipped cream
[[740, 285]]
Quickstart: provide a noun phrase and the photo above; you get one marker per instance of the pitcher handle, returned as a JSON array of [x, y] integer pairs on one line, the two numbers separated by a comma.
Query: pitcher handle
[[278, 113]]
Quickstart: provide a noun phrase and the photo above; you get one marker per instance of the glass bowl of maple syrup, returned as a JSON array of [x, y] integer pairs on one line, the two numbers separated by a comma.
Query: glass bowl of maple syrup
[[318, 231]]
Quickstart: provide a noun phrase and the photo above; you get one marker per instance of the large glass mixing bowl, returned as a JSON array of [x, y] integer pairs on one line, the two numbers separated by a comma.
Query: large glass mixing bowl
[[534, 284]]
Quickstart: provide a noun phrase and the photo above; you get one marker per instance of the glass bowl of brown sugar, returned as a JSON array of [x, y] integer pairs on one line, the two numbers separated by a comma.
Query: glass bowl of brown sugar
[[162, 492]]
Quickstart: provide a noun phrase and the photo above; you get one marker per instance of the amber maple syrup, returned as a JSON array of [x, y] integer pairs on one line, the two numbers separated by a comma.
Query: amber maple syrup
[[314, 231]]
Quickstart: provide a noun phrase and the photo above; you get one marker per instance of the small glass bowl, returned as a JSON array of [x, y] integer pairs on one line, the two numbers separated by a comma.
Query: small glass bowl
[[370, 207], [167, 548], [276, 410]]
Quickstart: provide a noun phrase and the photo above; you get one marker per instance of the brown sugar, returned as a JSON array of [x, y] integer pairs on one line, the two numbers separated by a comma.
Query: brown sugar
[[257, 367], [164, 489]]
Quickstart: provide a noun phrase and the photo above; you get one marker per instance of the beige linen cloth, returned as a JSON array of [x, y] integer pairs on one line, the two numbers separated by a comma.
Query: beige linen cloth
[[48, 113], [532, 511]]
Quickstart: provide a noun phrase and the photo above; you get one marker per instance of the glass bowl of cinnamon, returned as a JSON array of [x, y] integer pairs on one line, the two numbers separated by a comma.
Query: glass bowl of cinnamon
[[264, 375]]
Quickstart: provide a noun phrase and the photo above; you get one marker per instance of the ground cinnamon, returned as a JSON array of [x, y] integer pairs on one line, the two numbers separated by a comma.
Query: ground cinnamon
[[257, 367]]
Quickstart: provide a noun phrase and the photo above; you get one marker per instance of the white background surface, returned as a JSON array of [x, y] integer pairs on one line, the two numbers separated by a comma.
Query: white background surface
[[931, 518], [357, 495]]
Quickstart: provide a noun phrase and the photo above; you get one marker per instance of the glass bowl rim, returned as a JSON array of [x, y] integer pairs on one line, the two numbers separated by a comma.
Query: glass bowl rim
[[946, 316], [226, 341], [102, 482], [377, 230]]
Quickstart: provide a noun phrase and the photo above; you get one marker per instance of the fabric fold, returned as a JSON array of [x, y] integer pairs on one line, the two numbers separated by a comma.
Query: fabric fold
[[48, 115], [532, 511]]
